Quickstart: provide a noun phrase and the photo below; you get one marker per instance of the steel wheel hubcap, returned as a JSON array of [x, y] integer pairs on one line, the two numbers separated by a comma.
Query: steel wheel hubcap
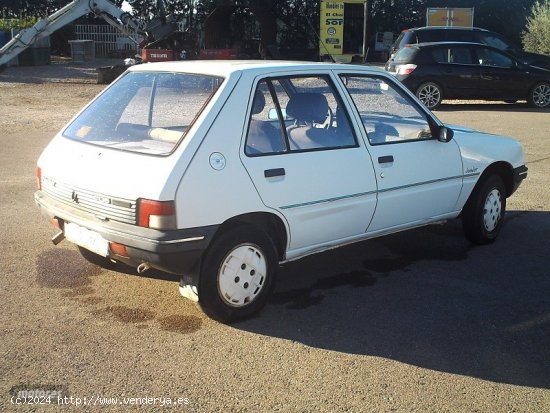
[[242, 275], [541, 95], [429, 95], [492, 210]]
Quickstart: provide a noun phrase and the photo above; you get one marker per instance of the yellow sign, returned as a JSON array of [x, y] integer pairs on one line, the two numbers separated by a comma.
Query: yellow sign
[[438, 16], [331, 27]]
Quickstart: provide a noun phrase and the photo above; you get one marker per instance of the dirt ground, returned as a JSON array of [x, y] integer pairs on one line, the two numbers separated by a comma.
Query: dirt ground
[[418, 322]]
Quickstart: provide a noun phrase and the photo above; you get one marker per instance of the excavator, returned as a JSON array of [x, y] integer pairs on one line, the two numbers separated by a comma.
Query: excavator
[[159, 35]]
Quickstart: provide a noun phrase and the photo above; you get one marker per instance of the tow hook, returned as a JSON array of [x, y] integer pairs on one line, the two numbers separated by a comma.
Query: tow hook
[[143, 267], [57, 238]]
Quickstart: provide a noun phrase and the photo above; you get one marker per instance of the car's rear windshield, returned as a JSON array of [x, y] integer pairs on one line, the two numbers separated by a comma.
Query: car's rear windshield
[[405, 55], [399, 42], [147, 112]]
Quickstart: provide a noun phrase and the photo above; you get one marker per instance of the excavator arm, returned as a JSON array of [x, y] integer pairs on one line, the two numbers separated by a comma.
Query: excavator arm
[[77, 8]]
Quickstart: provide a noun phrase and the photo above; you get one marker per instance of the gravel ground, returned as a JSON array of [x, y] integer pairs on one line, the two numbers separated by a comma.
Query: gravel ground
[[416, 322]]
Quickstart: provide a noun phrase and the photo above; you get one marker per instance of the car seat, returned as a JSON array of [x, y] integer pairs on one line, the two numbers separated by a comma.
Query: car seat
[[262, 137], [310, 112]]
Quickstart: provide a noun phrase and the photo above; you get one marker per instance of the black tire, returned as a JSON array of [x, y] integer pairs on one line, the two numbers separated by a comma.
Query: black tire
[[230, 293], [483, 214], [430, 94], [95, 259], [539, 96]]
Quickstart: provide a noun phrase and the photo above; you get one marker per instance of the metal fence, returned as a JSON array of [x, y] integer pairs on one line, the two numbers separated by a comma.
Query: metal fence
[[109, 42]]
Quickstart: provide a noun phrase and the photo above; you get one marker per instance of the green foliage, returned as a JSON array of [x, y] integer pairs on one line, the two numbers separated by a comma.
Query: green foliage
[[7, 25], [146, 9], [300, 23], [298, 20], [536, 38], [395, 15]]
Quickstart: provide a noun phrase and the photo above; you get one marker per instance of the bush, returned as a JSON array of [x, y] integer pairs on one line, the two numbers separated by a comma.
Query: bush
[[536, 38]]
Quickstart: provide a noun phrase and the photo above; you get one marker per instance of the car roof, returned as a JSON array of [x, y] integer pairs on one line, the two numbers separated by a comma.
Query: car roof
[[436, 44], [226, 67], [477, 29]]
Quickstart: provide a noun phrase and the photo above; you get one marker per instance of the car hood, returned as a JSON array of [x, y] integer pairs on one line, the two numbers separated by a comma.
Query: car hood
[[479, 149], [535, 59]]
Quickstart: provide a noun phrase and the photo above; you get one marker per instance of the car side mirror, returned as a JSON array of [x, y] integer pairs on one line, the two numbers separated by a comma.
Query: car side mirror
[[445, 134]]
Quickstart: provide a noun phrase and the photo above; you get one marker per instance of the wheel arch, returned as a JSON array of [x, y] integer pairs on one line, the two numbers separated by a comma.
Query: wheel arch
[[271, 224], [502, 169]]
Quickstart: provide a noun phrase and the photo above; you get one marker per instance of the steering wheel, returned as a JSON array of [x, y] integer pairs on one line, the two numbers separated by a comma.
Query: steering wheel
[[329, 121]]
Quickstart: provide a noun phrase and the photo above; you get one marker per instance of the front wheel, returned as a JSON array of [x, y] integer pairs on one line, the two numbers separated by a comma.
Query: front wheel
[[430, 94], [483, 214], [237, 274], [539, 96]]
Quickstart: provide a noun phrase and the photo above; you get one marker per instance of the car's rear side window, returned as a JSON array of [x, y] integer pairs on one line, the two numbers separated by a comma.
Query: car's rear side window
[[292, 114], [456, 55]]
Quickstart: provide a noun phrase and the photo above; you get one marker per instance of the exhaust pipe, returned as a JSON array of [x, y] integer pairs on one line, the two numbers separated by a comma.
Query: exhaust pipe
[[57, 238], [143, 267]]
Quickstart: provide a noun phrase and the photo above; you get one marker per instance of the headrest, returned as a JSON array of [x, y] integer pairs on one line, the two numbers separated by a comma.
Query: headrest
[[308, 107], [259, 102]]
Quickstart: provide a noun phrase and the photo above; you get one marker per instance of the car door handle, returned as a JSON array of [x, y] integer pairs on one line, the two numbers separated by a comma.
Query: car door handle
[[385, 159], [270, 173]]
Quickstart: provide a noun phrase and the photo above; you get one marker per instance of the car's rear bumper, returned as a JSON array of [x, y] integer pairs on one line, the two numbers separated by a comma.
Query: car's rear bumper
[[178, 251]]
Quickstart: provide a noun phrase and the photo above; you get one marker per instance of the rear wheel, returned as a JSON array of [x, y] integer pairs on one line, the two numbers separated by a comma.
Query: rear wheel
[[430, 94], [483, 214], [237, 274], [539, 96]]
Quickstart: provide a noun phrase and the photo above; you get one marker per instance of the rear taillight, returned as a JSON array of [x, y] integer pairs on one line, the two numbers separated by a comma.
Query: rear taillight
[[405, 69], [39, 178], [157, 214]]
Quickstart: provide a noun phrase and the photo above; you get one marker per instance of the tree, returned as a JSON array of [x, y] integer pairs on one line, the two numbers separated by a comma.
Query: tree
[[35, 8], [395, 15], [300, 23], [505, 17], [536, 38], [146, 9]]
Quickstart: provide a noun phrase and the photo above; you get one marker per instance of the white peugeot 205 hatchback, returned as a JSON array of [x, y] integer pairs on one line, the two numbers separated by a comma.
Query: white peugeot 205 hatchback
[[218, 171]]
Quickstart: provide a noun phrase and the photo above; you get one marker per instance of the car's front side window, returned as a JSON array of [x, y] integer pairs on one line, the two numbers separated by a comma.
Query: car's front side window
[[496, 42], [293, 114], [489, 57], [388, 114]]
